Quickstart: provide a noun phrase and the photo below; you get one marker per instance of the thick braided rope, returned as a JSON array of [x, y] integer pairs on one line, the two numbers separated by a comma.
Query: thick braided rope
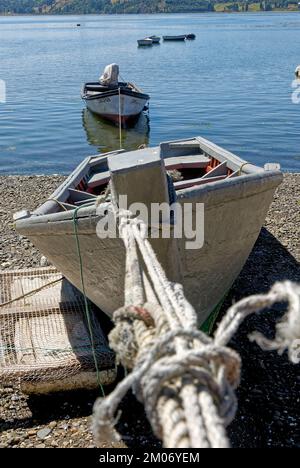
[[185, 379]]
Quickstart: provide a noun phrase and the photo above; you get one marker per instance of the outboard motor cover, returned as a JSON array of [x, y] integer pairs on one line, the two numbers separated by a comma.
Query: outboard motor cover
[[110, 75]]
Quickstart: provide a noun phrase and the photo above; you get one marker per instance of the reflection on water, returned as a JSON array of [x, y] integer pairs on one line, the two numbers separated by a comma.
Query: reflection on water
[[106, 137]]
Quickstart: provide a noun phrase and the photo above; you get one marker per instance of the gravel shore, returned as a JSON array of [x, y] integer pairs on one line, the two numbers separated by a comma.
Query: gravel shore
[[269, 396]]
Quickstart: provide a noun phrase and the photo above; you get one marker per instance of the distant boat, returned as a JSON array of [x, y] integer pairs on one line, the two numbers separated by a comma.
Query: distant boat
[[155, 39], [145, 42], [118, 102], [191, 37], [297, 72], [174, 38]]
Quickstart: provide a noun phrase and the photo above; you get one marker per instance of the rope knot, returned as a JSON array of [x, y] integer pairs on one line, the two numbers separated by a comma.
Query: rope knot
[[123, 337]]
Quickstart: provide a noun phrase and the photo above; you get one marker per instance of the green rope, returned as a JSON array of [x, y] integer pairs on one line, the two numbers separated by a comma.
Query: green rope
[[87, 308]]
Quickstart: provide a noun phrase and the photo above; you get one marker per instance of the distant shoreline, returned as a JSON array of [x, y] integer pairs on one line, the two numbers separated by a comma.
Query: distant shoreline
[[258, 12]]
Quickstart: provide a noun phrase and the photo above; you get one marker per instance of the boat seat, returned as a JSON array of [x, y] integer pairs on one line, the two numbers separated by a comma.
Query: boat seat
[[184, 144], [102, 88], [187, 162], [179, 162], [183, 184], [99, 178]]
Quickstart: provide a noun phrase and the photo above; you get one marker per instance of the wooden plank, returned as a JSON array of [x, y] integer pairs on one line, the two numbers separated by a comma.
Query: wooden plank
[[179, 162], [86, 202], [234, 174], [79, 196], [185, 144], [182, 184], [187, 162], [100, 178], [217, 171]]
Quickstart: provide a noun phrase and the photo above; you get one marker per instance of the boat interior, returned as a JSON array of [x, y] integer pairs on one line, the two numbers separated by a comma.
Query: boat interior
[[185, 161], [97, 88]]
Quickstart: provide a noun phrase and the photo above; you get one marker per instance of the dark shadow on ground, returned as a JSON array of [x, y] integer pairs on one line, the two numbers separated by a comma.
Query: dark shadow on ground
[[269, 395]]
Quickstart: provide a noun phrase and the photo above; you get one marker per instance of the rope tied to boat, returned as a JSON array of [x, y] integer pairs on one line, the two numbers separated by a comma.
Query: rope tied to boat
[[185, 379]]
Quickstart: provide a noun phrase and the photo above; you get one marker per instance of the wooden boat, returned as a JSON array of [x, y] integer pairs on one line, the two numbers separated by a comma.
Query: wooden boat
[[118, 102], [174, 38], [145, 42], [155, 39], [236, 197]]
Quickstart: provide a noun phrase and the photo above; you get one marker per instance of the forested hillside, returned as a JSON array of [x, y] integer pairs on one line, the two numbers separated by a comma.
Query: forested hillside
[[138, 6]]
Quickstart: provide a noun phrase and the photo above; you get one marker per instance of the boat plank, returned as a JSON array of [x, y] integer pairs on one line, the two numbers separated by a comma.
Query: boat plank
[[79, 196], [100, 178], [187, 162], [217, 171], [182, 184], [185, 144]]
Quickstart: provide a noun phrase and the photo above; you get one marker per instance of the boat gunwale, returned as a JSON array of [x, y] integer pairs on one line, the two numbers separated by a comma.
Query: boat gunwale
[[114, 92], [248, 172], [249, 183]]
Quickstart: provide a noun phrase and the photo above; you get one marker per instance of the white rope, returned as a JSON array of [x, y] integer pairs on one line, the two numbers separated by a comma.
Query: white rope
[[185, 380], [120, 118]]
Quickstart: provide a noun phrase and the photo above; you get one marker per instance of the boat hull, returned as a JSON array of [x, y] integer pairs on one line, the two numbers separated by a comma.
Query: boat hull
[[145, 42], [174, 38], [235, 210], [124, 108]]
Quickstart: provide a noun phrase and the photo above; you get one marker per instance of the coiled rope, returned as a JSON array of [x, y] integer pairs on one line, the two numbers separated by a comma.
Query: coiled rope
[[185, 379]]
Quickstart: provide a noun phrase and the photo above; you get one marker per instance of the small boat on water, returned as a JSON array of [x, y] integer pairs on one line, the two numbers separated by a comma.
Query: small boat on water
[[155, 39], [297, 72], [236, 196], [190, 37], [118, 102], [174, 38], [145, 42]]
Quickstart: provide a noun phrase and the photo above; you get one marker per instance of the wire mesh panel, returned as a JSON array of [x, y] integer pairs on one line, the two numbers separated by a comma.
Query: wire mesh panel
[[46, 343]]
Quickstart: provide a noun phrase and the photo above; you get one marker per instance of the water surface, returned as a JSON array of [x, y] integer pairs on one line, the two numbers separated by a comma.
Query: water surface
[[231, 85]]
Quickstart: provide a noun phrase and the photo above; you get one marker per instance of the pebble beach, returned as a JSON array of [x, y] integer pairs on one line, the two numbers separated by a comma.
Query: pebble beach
[[269, 395]]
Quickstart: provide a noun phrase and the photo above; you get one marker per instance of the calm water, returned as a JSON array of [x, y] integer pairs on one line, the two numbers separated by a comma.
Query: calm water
[[231, 85]]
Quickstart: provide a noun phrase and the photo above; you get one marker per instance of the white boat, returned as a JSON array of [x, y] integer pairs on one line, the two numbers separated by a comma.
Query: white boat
[[155, 39], [174, 38], [236, 197], [118, 102], [145, 42]]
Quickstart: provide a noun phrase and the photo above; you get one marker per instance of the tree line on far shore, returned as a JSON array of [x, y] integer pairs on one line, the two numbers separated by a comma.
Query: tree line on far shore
[[140, 6]]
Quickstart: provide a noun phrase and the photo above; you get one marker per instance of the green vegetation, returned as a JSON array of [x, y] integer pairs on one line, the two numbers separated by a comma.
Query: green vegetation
[[139, 6]]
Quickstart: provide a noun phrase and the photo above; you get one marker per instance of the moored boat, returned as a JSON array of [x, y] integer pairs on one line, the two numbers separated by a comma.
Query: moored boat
[[145, 42], [118, 102], [155, 39], [174, 38], [190, 37], [236, 196]]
